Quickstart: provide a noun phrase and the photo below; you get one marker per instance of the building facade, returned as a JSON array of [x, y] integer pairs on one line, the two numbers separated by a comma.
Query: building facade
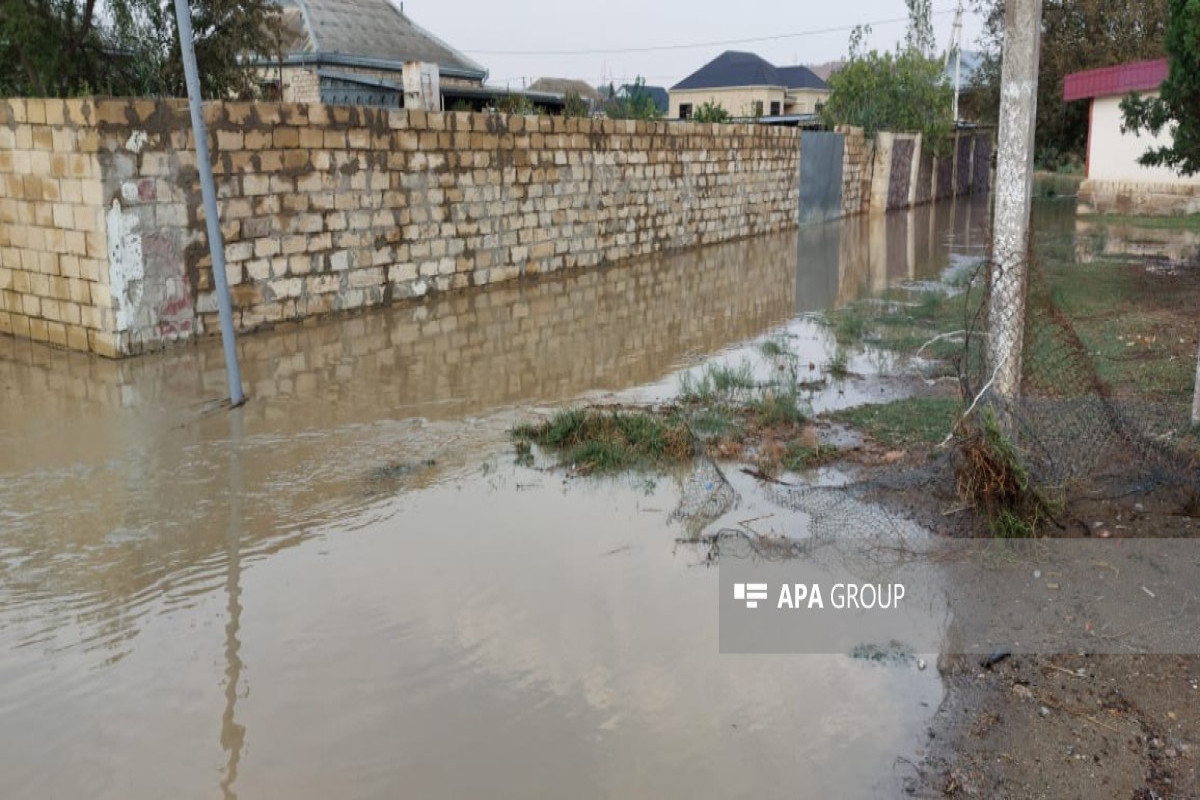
[[1115, 181], [748, 86]]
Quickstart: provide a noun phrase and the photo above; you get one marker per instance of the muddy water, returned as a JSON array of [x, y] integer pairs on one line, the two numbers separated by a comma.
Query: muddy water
[[348, 589]]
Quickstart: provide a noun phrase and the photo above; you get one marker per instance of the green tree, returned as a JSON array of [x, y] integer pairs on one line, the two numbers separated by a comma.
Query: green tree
[[636, 104], [1177, 107], [131, 47], [902, 91], [1076, 35], [709, 111]]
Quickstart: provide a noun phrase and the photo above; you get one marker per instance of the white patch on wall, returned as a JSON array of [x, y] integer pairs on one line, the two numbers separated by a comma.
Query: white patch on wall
[[137, 140], [129, 191], [126, 266]]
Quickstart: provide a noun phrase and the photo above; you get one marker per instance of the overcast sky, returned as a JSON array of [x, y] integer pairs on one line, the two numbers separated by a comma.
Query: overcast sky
[[518, 39]]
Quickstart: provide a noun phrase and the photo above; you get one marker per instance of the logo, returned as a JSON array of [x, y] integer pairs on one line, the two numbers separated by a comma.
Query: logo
[[750, 592]]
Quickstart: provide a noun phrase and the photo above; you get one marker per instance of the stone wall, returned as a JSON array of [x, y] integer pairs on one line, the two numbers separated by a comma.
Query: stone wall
[[53, 250], [1121, 197], [857, 161], [328, 209]]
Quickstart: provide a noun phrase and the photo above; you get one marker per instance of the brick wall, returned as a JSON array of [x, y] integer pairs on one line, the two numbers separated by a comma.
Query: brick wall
[[327, 209]]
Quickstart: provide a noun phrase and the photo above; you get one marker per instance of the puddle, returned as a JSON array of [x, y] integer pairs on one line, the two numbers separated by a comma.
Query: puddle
[[347, 587]]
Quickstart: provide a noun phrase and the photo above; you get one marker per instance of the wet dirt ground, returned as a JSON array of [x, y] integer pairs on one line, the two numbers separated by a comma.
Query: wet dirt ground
[[348, 588]]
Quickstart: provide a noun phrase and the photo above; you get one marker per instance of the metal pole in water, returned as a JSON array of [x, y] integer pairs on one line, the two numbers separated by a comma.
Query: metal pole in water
[[216, 244]]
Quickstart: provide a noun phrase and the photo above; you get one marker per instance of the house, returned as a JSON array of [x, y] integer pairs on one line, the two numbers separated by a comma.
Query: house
[[564, 86], [1112, 155], [366, 52], [747, 85]]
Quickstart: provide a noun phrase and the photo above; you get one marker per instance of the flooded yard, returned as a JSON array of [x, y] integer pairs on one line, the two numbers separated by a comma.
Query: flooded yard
[[351, 588]]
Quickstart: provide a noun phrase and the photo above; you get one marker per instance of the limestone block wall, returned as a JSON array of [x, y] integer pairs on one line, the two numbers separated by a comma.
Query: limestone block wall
[[328, 209], [1125, 197], [858, 155], [54, 280]]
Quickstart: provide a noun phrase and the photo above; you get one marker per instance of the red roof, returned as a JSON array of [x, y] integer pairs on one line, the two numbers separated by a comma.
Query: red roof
[[1140, 76]]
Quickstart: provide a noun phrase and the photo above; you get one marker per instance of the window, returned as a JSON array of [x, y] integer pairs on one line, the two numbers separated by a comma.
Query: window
[[758, 106], [685, 110], [775, 108]]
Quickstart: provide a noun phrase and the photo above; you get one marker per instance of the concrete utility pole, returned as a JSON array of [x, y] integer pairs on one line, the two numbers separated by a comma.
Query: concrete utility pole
[[216, 243], [1196, 394], [955, 48], [1014, 192]]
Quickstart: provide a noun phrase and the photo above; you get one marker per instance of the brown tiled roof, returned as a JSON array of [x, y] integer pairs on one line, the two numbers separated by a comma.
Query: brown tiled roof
[[371, 30]]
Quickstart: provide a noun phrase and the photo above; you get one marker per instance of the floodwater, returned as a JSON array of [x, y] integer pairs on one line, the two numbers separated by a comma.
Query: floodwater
[[347, 588]]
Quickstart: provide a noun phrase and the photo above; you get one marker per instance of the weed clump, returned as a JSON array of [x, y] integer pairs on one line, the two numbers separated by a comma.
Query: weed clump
[[990, 477], [596, 440]]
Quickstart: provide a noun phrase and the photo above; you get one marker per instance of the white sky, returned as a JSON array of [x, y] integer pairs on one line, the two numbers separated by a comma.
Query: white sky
[[490, 31]]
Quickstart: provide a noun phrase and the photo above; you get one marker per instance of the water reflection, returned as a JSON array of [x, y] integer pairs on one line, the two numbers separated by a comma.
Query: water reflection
[[1101, 239], [873, 252], [233, 735]]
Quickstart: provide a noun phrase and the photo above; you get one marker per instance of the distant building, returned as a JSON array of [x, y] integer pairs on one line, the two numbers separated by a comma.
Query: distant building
[[1115, 181], [564, 86], [747, 85], [366, 52], [1111, 154]]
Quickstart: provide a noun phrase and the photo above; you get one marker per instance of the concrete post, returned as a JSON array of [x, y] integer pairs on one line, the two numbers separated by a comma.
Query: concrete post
[[1014, 192], [1196, 394]]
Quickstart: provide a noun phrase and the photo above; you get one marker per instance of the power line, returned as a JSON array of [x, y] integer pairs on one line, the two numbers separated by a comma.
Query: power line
[[693, 45]]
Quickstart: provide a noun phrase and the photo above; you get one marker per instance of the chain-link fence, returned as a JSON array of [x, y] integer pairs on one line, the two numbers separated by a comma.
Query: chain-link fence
[[1107, 377]]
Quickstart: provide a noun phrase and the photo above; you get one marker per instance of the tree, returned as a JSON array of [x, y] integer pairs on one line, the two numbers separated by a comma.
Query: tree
[[1177, 106], [709, 111], [65, 48], [902, 91], [1076, 35], [635, 104]]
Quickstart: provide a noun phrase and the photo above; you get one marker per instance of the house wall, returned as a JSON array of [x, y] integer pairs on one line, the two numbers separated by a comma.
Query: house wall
[[1113, 155], [328, 209], [738, 101], [299, 84], [804, 101]]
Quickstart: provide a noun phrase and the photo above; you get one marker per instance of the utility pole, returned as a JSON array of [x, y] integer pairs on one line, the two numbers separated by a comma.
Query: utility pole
[[1196, 394], [1014, 192], [216, 244], [955, 47]]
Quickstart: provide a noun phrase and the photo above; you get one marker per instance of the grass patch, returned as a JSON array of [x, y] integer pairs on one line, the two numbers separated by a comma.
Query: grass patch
[[716, 382], [1129, 321], [839, 365], [778, 408], [1177, 222], [904, 423], [798, 457], [715, 422], [595, 440], [904, 321], [775, 347]]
